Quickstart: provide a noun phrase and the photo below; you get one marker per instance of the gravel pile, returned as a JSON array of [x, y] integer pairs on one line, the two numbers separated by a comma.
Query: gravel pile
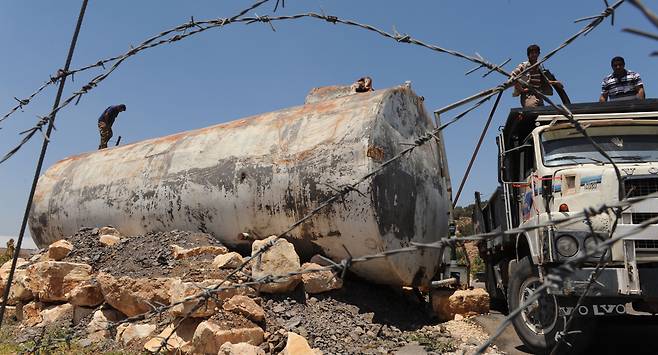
[[359, 318], [147, 255]]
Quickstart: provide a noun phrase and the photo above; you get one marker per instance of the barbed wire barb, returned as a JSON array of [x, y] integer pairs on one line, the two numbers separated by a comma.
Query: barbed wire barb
[[650, 15]]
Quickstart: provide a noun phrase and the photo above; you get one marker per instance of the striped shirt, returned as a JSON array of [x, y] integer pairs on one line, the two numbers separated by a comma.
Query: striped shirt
[[621, 88], [534, 77]]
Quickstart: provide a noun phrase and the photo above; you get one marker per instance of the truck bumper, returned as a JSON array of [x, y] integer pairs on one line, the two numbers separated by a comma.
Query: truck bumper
[[635, 274], [612, 282]]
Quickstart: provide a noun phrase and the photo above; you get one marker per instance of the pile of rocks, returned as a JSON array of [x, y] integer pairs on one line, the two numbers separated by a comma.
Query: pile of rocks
[[98, 283]]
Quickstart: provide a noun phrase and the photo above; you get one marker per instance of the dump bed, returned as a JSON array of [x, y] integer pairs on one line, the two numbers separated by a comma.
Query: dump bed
[[521, 121]]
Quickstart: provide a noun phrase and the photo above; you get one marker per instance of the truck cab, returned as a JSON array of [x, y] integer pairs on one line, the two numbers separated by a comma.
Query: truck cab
[[548, 171]]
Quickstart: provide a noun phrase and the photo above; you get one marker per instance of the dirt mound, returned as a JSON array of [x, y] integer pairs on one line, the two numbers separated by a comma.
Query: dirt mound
[[148, 255], [359, 318]]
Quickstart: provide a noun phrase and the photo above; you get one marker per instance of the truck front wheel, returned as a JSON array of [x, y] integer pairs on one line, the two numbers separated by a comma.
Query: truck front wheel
[[538, 323]]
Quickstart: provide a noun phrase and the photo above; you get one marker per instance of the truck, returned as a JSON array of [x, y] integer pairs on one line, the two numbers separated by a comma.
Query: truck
[[548, 171]]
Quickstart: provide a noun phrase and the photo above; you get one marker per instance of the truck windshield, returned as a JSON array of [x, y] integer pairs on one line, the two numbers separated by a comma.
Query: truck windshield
[[624, 144]]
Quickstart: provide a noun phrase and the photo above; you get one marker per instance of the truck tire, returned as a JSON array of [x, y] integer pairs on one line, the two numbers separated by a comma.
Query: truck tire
[[536, 325]]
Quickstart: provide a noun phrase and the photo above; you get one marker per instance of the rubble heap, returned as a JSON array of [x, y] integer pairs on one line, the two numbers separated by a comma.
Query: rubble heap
[[92, 289]]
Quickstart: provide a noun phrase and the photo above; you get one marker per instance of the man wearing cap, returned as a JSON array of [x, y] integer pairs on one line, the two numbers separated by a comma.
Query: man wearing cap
[[622, 84], [106, 121], [538, 78]]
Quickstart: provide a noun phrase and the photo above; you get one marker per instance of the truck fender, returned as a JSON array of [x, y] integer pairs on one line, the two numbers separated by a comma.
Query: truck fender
[[511, 267], [523, 248]]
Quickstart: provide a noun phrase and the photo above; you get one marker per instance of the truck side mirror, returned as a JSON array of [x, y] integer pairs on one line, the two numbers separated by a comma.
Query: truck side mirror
[[501, 168], [500, 161], [503, 172], [547, 187]]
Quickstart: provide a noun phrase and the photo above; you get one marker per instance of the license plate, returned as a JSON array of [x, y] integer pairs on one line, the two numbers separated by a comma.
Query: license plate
[[595, 310]]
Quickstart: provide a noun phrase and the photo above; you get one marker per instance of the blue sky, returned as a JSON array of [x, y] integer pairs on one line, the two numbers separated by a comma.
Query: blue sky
[[241, 70]]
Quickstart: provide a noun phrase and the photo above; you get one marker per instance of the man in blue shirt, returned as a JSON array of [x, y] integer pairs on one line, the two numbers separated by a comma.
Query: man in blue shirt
[[106, 121]]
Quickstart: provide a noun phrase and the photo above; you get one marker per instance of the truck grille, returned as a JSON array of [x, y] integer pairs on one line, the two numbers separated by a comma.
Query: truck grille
[[641, 186], [638, 218], [646, 250], [646, 244]]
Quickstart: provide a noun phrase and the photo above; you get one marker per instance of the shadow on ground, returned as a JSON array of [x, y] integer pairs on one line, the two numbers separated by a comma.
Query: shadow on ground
[[390, 306], [614, 335]]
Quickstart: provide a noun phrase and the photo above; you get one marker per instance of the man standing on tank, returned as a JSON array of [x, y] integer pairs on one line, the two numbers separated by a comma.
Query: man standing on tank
[[106, 121]]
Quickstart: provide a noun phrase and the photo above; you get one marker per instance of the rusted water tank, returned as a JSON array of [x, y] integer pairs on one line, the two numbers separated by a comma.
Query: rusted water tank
[[260, 174]]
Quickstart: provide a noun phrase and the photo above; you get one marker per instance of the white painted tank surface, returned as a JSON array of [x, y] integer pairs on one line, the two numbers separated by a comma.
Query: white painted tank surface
[[260, 174]]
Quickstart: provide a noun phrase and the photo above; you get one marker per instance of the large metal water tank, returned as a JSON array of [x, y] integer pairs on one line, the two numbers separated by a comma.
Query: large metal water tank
[[260, 174]]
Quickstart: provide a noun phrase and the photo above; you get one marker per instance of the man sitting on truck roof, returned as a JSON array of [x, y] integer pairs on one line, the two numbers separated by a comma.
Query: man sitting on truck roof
[[538, 78], [622, 84]]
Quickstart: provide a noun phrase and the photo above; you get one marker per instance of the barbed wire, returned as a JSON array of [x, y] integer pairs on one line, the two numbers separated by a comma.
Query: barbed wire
[[508, 320], [149, 43], [26, 101], [28, 134], [568, 268], [157, 40], [267, 279], [561, 335], [46, 343], [337, 194], [564, 111], [220, 22], [345, 263], [651, 16], [597, 20], [395, 35], [342, 191], [203, 296], [207, 293], [551, 279]]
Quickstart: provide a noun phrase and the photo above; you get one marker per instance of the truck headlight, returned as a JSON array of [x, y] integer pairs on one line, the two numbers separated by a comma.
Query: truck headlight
[[567, 246], [591, 244]]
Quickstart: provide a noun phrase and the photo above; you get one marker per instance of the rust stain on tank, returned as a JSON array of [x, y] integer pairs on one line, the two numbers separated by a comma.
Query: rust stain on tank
[[317, 108], [296, 158], [376, 153]]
